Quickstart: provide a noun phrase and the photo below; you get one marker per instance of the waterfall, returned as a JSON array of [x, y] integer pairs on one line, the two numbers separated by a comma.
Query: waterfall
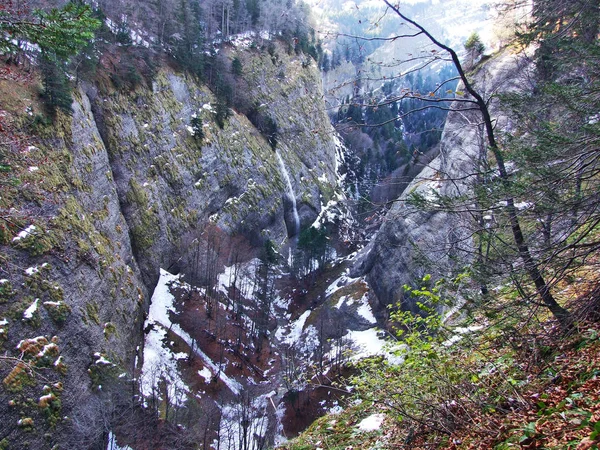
[[290, 212]]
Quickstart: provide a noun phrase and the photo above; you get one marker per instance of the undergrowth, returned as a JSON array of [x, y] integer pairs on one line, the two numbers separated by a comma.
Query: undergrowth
[[477, 383]]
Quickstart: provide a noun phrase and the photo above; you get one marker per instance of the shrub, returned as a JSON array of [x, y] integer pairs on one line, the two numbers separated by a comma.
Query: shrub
[[236, 67]]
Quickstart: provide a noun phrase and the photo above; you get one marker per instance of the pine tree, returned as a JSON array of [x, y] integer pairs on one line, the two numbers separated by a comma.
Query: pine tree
[[57, 90], [474, 48], [60, 34], [62, 31], [236, 67]]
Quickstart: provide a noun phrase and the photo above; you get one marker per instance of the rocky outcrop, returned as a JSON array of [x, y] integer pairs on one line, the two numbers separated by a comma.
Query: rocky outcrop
[[172, 183], [422, 237], [119, 189]]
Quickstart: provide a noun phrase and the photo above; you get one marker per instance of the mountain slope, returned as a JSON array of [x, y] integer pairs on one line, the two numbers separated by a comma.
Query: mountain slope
[[96, 202]]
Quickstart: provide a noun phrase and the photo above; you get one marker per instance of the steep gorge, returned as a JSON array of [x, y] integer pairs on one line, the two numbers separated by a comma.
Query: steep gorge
[[128, 185], [102, 199], [433, 238]]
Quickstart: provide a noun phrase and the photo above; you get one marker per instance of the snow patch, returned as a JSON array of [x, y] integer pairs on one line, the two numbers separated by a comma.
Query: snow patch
[[112, 443], [371, 423], [206, 374], [524, 205], [295, 330], [23, 234], [460, 332], [335, 409], [29, 312], [343, 280], [281, 303], [341, 301], [367, 343], [54, 304], [365, 311], [158, 359], [102, 361], [48, 349]]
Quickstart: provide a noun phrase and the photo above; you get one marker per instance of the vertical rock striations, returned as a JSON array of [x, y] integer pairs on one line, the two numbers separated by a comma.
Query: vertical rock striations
[[416, 240], [120, 189]]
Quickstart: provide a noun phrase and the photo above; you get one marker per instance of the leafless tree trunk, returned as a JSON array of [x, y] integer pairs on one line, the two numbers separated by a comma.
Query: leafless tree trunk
[[529, 262]]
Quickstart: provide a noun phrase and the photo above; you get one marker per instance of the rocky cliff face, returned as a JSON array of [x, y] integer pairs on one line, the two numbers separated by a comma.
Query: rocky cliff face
[[416, 240], [97, 202], [172, 184]]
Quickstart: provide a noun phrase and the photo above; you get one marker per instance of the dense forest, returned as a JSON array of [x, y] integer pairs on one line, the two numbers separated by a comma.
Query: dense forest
[[375, 116], [132, 41]]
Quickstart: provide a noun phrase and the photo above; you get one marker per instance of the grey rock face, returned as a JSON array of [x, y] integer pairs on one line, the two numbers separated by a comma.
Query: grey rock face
[[414, 241], [172, 185], [128, 189]]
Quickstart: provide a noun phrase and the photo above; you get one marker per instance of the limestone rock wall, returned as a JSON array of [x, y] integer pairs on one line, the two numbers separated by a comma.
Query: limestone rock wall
[[415, 241], [97, 202]]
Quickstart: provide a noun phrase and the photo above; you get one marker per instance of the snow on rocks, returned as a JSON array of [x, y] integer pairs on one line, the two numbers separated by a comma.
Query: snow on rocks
[[25, 344], [29, 312], [101, 360], [294, 330], [343, 280], [304, 339], [35, 269], [344, 300], [23, 234], [48, 350], [365, 311], [335, 211]]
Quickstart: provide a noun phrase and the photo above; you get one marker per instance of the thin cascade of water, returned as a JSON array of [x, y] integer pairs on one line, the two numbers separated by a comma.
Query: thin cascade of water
[[293, 228]]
